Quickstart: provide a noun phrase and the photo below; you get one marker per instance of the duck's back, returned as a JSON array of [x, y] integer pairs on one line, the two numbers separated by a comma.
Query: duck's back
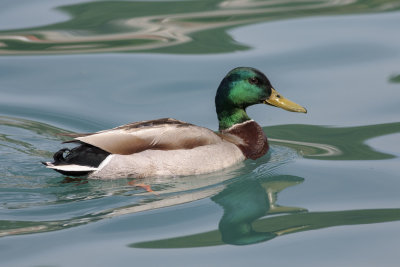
[[161, 134]]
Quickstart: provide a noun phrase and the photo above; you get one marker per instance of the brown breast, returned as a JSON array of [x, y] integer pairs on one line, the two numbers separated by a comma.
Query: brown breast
[[249, 137]]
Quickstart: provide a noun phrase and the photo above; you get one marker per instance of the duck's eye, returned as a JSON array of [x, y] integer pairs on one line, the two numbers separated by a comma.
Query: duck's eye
[[253, 80]]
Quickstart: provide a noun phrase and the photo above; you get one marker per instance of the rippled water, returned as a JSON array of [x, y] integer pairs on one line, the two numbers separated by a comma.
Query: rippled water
[[326, 194]]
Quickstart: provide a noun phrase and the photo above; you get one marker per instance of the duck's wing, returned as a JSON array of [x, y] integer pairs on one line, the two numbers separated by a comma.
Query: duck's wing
[[163, 134]]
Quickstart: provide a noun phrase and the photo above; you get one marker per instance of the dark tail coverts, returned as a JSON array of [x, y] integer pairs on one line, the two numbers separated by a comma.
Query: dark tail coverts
[[85, 154]]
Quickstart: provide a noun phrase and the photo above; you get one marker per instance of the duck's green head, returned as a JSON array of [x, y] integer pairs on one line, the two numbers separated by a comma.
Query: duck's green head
[[243, 87]]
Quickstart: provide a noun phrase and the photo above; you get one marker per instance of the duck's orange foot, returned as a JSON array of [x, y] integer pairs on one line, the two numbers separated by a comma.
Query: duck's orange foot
[[144, 186]]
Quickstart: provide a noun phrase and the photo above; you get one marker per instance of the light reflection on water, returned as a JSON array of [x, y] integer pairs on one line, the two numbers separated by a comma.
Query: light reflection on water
[[163, 26]]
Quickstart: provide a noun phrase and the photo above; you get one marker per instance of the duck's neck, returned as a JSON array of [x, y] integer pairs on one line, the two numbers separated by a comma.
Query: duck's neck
[[249, 137], [229, 117]]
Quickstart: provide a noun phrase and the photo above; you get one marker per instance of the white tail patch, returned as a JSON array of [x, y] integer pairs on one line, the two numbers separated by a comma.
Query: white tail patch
[[105, 162], [71, 167]]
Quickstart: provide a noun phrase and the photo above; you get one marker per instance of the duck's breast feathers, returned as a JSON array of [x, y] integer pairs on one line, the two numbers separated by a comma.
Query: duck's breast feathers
[[162, 134], [249, 137]]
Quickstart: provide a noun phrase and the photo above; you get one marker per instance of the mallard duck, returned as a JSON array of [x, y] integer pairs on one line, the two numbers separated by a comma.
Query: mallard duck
[[169, 147]]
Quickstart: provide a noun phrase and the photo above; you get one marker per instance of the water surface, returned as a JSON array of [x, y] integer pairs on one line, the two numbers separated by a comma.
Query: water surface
[[325, 195]]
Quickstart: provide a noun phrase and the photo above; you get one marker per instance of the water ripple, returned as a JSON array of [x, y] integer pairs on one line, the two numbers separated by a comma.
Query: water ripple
[[184, 27]]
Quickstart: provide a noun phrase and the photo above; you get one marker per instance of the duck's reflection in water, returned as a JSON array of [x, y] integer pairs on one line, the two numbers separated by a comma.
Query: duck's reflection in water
[[247, 200], [251, 216]]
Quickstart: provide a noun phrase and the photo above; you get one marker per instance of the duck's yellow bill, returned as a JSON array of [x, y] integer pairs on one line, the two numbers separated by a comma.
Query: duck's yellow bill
[[279, 101]]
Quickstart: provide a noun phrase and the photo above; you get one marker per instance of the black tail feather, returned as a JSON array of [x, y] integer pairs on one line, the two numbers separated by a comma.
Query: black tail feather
[[84, 154]]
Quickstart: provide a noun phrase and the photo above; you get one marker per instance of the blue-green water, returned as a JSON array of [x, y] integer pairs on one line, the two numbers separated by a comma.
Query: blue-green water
[[326, 194]]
